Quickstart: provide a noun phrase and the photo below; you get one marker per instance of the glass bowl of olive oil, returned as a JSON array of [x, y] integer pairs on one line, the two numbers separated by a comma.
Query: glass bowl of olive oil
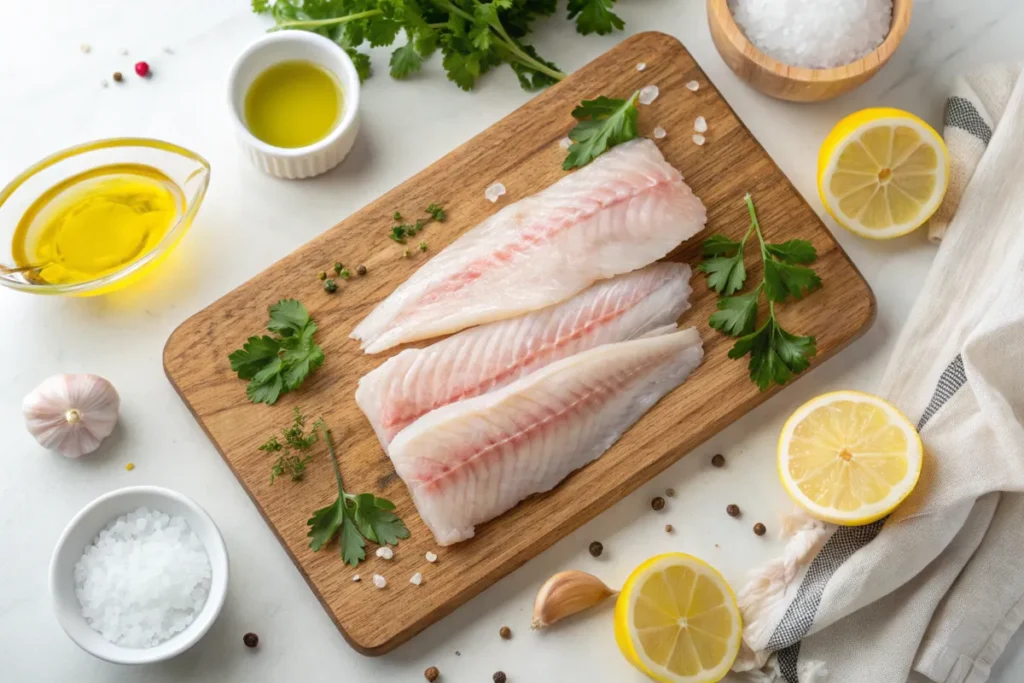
[[95, 217]]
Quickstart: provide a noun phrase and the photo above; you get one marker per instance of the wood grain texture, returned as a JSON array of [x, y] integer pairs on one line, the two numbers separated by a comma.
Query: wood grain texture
[[522, 151], [793, 83]]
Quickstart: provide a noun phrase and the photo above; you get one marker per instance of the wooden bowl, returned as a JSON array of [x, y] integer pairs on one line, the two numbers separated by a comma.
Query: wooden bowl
[[793, 83]]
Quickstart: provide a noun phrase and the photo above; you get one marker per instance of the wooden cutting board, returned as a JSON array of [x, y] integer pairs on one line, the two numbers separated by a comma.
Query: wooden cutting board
[[522, 151]]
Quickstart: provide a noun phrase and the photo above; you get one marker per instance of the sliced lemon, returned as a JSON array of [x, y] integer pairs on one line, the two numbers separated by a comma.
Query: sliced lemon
[[677, 621], [882, 172], [849, 457]]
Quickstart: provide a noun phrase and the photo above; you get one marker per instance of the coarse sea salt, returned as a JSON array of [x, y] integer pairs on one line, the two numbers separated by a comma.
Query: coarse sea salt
[[812, 33], [659, 133], [431, 557], [698, 139], [565, 143], [416, 579], [648, 94], [385, 552], [641, 66], [692, 86], [379, 581], [700, 124], [494, 191], [143, 579]]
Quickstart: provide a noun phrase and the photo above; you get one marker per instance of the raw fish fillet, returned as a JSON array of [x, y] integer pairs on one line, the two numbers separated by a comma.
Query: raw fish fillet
[[624, 210], [470, 461], [491, 356]]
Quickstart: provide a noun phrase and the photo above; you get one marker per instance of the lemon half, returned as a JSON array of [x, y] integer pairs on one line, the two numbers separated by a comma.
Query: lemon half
[[882, 172], [677, 621], [848, 457]]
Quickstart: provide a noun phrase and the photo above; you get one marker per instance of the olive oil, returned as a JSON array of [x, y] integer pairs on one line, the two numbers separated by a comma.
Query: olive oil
[[293, 104], [96, 222]]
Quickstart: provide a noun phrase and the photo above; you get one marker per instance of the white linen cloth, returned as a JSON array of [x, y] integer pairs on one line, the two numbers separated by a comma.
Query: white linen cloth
[[938, 587]]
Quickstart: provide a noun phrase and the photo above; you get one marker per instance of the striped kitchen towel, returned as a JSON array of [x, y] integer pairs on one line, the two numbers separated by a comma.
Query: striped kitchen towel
[[972, 112], [938, 586]]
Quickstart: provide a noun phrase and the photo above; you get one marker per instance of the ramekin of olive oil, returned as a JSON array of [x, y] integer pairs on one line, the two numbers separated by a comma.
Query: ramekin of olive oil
[[292, 104], [97, 222]]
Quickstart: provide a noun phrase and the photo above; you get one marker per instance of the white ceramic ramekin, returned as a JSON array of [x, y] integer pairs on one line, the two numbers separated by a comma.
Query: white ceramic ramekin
[[83, 529], [273, 48]]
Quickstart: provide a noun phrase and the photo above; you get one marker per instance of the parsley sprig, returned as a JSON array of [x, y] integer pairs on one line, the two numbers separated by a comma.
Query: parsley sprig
[[296, 440], [354, 518], [603, 123], [473, 36], [279, 364], [775, 354]]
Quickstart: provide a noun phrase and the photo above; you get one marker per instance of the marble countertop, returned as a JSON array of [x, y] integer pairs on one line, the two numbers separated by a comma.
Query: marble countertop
[[52, 96]]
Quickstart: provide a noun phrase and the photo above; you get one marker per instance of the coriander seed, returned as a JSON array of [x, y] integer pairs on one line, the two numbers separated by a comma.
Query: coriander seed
[[658, 503], [330, 286], [759, 529], [596, 549], [732, 510], [431, 674], [251, 640], [505, 632], [499, 677], [360, 270], [718, 460]]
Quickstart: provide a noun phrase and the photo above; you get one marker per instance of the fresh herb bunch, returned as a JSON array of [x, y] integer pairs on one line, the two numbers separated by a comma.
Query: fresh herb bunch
[[474, 36], [603, 123], [775, 354], [279, 364], [355, 519], [295, 440]]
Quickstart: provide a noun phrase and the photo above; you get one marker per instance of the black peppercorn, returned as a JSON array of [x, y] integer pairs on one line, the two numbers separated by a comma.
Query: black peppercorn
[[718, 460], [499, 677], [431, 674], [360, 270], [732, 510], [658, 503], [251, 640], [596, 549], [759, 529]]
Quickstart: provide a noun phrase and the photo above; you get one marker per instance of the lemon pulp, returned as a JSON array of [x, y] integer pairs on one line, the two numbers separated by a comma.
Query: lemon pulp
[[96, 222], [293, 104]]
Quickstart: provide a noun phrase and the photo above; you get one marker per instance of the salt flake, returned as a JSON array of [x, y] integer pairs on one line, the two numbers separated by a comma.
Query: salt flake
[[648, 94], [698, 139], [493, 192], [700, 125], [86, 48], [356, 578], [385, 552], [641, 66], [692, 86], [565, 143], [659, 133], [104, 83], [431, 557], [379, 581], [416, 579]]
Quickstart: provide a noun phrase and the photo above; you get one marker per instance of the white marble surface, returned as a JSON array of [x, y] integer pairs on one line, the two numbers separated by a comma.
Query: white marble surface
[[51, 96]]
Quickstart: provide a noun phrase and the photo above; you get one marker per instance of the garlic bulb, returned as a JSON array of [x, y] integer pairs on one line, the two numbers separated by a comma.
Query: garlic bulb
[[565, 594], [72, 414]]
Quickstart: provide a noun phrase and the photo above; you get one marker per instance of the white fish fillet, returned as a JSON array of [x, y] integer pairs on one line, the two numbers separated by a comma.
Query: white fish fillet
[[624, 210], [470, 461], [491, 356]]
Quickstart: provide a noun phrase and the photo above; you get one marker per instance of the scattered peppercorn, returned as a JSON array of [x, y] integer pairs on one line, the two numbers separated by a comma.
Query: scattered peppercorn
[[360, 270], [671, 493], [142, 69], [668, 528], [130, 466], [732, 510], [431, 673], [344, 274], [499, 677], [251, 640], [718, 460], [658, 503], [505, 633], [596, 549], [338, 268], [458, 654], [322, 275], [759, 529], [118, 77], [330, 286]]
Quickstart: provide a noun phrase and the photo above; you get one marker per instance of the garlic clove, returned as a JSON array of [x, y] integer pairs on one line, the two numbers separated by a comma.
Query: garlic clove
[[72, 414], [565, 594]]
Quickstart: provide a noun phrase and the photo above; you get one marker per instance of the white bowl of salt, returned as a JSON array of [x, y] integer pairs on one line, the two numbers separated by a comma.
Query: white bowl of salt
[[139, 575]]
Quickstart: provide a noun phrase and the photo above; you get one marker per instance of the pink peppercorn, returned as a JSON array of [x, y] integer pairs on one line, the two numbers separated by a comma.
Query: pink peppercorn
[[142, 69]]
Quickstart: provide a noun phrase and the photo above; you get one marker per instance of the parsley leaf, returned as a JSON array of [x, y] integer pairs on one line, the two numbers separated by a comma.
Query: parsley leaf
[[603, 123], [405, 61], [361, 62], [354, 519], [462, 69], [274, 366], [776, 355], [295, 440], [595, 16], [260, 6]]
